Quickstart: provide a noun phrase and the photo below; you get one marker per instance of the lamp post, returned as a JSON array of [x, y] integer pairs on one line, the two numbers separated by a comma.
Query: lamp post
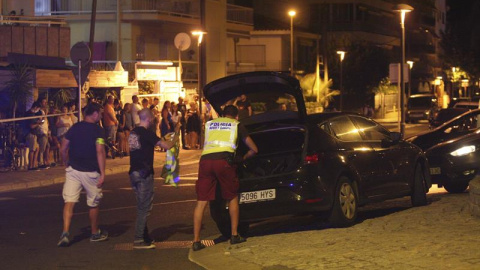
[[292, 14], [410, 66], [342, 56], [402, 9], [200, 71]]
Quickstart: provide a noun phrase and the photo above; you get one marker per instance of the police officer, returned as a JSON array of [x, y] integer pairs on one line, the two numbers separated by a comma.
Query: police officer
[[216, 166]]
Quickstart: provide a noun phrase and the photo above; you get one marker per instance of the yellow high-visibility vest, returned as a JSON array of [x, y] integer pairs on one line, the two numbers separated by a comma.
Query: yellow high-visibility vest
[[220, 136]]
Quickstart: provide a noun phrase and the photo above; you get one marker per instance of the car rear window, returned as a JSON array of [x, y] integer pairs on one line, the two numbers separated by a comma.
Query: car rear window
[[343, 128]]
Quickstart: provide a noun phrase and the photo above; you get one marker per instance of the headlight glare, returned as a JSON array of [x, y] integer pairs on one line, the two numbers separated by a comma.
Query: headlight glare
[[463, 151]]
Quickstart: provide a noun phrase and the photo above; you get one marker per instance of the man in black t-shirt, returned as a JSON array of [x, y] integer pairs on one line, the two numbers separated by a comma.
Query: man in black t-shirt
[[142, 142], [85, 161]]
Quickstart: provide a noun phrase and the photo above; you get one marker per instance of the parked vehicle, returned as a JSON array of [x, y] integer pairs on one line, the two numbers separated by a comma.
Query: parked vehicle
[[328, 162], [420, 107], [452, 150], [444, 115], [470, 105]]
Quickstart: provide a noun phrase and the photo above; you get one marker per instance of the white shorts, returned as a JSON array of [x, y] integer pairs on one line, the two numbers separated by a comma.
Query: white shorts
[[76, 180]]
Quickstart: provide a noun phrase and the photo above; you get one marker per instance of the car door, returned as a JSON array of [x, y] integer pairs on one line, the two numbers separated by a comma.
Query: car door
[[390, 176], [353, 151]]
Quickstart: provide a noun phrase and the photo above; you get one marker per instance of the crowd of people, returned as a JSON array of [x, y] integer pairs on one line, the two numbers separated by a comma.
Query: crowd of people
[[119, 120], [39, 138]]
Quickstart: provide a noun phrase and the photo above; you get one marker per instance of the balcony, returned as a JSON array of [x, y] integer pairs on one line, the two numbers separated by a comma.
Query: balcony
[[239, 15], [34, 36], [179, 8]]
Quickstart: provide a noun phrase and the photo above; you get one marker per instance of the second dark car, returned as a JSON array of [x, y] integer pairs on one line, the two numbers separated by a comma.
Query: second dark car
[[452, 150], [326, 162]]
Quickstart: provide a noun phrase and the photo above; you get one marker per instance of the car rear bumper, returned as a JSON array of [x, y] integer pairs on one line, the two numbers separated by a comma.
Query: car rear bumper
[[295, 193]]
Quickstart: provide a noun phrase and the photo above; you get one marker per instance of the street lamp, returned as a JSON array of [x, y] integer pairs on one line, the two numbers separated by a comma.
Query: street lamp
[[342, 56], [292, 14], [402, 9], [410, 66], [200, 71]]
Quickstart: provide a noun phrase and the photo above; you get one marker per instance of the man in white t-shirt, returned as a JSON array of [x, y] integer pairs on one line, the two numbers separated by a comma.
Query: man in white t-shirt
[[136, 107]]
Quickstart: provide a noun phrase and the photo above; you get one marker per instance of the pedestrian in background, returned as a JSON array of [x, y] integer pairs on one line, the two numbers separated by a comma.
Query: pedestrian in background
[[42, 135], [193, 126], [182, 111], [31, 137], [142, 142], [145, 103], [71, 108], [216, 167], [83, 153], [110, 121], [135, 109]]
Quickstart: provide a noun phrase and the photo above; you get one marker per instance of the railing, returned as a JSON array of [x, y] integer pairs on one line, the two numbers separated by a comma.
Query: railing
[[29, 20], [240, 15], [179, 8]]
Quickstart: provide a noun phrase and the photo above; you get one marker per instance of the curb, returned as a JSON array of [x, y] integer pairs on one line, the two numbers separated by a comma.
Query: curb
[[53, 181], [218, 257]]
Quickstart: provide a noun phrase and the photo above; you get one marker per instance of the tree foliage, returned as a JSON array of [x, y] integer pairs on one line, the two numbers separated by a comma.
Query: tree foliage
[[461, 39], [19, 87]]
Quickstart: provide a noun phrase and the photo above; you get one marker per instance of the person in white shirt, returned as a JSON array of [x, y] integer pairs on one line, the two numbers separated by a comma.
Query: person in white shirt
[[136, 107]]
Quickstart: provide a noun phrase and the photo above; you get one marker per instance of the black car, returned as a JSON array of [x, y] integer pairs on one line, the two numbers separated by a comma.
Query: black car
[[444, 115], [328, 162], [452, 151]]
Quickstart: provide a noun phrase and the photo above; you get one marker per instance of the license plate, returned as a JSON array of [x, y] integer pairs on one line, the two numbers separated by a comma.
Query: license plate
[[435, 171], [256, 196], [417, 115]]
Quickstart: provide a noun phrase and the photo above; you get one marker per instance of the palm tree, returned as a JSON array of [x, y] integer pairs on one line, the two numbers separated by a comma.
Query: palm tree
[[314, 86], [19, 87]]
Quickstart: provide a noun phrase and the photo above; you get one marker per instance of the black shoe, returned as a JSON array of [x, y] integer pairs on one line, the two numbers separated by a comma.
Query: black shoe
[[196, 246], [237, 239], [143, 245]]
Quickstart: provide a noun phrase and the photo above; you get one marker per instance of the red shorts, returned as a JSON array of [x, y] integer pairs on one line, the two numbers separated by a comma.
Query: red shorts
[[212, 170]]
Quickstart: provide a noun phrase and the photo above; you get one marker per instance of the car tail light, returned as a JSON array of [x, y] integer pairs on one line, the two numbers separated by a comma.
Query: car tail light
[[311, 159]]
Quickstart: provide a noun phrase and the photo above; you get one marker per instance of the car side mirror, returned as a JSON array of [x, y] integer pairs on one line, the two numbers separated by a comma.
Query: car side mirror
[[395, 138]]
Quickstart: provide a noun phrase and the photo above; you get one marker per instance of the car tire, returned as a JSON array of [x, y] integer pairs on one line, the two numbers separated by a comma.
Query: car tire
[[456, 187], [345, 204], [221, 217], [419, 194]]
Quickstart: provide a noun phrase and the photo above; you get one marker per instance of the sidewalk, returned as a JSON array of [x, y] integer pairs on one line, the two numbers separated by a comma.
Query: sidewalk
[[441, 235], [390, 117], [19, 180]]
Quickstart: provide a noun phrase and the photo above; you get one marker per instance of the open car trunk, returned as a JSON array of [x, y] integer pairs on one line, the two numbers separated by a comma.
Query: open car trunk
[[280, 151]]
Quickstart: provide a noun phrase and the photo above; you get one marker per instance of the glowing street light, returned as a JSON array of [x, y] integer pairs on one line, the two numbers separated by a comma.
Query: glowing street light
[[402, 9], [201, 72], [410, 66], [342, 56], [292, 14]]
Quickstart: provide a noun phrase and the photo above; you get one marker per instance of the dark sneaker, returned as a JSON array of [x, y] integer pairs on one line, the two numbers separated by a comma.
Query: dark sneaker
[[144, 245], [64, 241], [100, 236], [44, 167], [196, 246], [237, 239]]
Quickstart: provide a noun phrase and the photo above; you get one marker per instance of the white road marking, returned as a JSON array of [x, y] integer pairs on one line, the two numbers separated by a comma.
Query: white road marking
[[134, 206]]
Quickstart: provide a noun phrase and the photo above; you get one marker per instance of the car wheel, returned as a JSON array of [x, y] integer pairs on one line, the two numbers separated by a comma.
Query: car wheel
[[345, 205], [456, 187], [419, 194], [221, 217]]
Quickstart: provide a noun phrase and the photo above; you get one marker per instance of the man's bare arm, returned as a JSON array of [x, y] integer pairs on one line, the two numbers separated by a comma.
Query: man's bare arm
[[64, 150], [253, 150], [101, 157]]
